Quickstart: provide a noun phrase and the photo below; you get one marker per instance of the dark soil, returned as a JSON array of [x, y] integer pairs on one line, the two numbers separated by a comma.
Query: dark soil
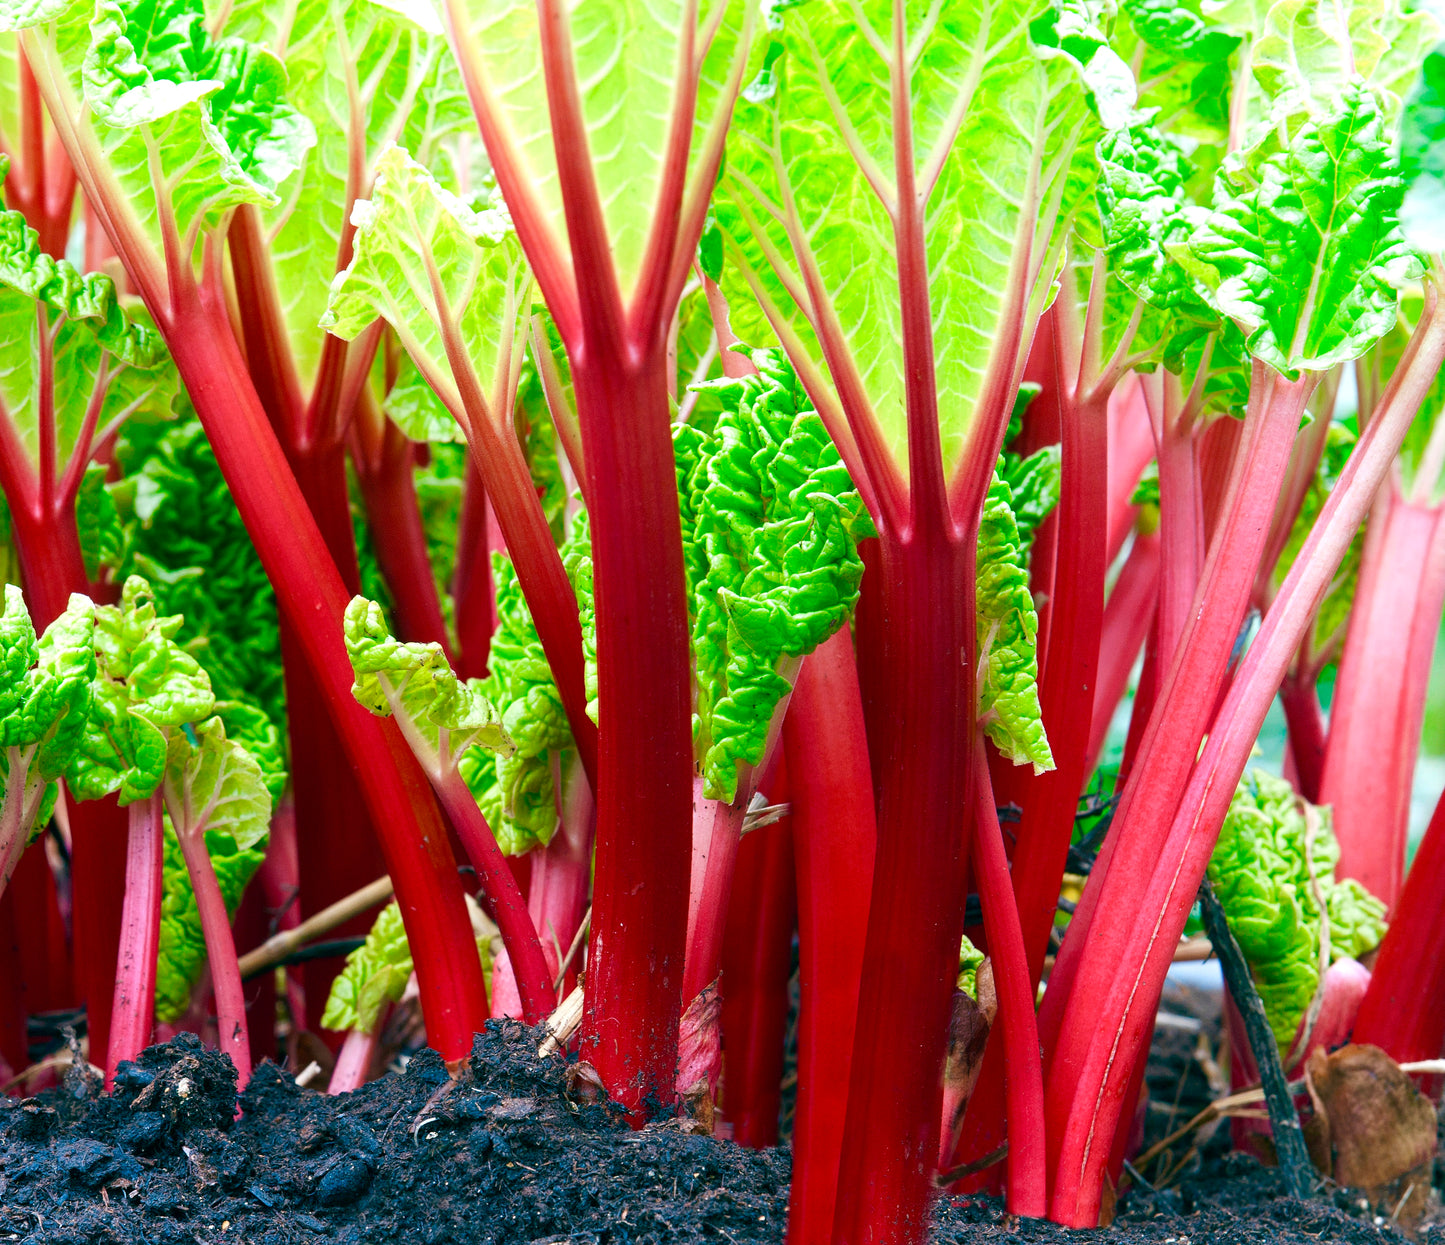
[[512, 1157]]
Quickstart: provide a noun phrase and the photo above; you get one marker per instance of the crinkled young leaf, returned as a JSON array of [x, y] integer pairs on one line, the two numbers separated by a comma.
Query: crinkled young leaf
[[46, 694], [1309, 261], [181, 953], [1076, 28], [1023, 115], [90, 300], [771, 523], [1033, 485], [185, 537], [1261, 871], [970, 960], [376, 973], [410, 229], [442, 715], [517, 791], [145, 684], [1008, 694]]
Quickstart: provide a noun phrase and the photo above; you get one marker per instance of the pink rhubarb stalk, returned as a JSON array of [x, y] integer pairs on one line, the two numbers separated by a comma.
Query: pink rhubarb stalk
[[1128, 618], [133, 1008], [235, 1040], [1383, 678]]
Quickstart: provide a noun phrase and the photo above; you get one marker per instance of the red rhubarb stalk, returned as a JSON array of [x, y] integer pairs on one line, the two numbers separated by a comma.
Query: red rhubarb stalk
[[757, 961], [1027, 1193], [1171, 739], [1128, 619], [1305, 721], [616, 338], [1131, 448], [1401, 1011], [556, 892], [474, 596], [834, 838], [140, 933], [385, 462]]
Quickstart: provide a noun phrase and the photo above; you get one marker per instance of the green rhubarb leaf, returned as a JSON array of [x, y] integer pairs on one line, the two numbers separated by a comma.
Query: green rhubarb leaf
[[414, 407], [365, 75], [410, 229], [771, 523], [1309, 262], [442, 715], [983, 97], [16, 15], [970, 960], [190, 125], [45, 701], [1273, 864], [1307, 52], [89, 300], [1422, 156], [626, 55], [103, 359], [214, 784], [181, 954], [1144, 210], [145, 685], [1008, 694], [1077, 29], [376, 974]]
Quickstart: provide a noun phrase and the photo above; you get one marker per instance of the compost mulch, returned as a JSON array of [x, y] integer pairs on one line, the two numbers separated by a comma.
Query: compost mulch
[[518, 1154]]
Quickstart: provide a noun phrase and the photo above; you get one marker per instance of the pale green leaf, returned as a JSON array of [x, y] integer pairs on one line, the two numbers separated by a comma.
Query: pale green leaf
[[410, 231], [376, 973], [1020, 114], [365, 75], [215, 785], [626, 54]]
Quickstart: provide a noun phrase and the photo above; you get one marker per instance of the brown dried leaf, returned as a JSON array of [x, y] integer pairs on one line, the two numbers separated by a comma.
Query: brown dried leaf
[[1377, 1127]]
